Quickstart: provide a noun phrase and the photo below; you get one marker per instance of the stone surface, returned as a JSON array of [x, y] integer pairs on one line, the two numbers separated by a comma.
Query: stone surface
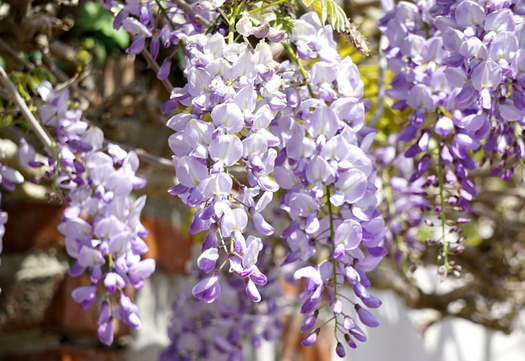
[[168, 246], [29, 282], [67, 317]]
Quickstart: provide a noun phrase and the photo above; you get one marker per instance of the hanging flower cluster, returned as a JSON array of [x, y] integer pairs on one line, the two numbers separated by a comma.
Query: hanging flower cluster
[[459, 66], [218, 330], [101, 224], [292, 129]]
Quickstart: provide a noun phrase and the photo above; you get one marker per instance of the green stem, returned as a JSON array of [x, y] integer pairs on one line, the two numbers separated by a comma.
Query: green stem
[[231, 31], [110, 260], [163, 11], [172, 25], [300, 65], [442, 202], [267, 6], [334, 267], [212, 25]]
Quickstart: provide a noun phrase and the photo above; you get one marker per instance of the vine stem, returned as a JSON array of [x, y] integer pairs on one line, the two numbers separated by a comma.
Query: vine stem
[[172, 25], [442, 202], [235, 11], [300, 65]]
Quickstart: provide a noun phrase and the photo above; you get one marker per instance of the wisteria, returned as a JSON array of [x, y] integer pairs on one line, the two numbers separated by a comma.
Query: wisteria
[[323, 165], [280, 174], [218, 330], [406, 202], [101, 224], [458, 65]]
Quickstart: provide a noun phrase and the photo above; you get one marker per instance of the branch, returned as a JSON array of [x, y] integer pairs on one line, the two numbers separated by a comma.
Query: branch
[[163, 162], [12, 52], [43, 44], [34, 124], [386, 277], [187, 9], [153, 64]]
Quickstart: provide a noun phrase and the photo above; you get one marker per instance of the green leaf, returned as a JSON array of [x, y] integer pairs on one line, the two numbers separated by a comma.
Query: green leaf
[[321, 10], [307, 2], [83, 57], [6, 121], [328, 9], [93, 17], [337, 16]]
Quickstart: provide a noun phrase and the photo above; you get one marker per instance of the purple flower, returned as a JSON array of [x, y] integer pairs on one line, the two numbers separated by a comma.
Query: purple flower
[[252, 292], [366, 317], [105, 333], [311, 338], [340, 350], [164, 70], [85, 295], [208, 289], [141, 270], [207, 259]]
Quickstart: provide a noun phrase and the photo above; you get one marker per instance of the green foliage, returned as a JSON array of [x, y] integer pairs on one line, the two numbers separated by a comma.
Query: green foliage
[[284, 22], [28, 82], [94, 26], [6, 121], [83, 57], [329, 10]]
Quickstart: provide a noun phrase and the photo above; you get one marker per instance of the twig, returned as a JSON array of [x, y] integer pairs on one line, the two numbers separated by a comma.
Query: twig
[[160, 161], [163, 162], [34, 124], [381, 86], [64, 52], [224, 16], [155, 67], [163, 11], [151, 62], [4, 45], [187, 9], [47, 63]]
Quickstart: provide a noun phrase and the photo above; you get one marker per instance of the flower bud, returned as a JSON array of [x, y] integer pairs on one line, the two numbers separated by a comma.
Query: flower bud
[[311, 338], [340, 350]]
